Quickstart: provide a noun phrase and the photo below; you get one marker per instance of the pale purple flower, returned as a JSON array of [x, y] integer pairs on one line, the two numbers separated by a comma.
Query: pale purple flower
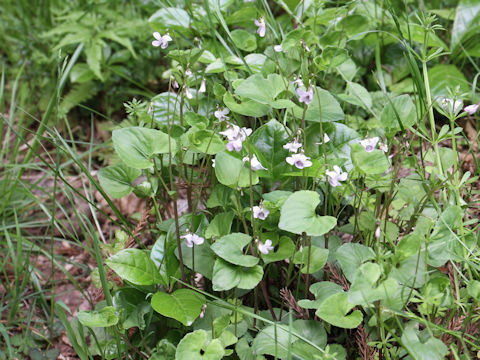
[[383, 147], [175, 84], [298, 81], [305, 96], [335, 176], [326, 139], [161, 41], [202, 313], [261, 27], [236, 136], [254, 163], [299, 160], [266, 247], [370, 143], [471, 109], [188, 72], [192, 239], [293, 146], [378, 232], [221, 114], [203, 88], [305, 46], [260, 212], [278, 48]]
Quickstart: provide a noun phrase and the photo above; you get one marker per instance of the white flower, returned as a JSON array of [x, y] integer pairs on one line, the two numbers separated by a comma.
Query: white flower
[[369, 144], [254, 163], [213, 163], [278, 48], [161, 41], [261, 27], [326, 139], [471, 109], [293, 146], [305, 46], [203, 88], [175, 84], [188, 94], [259, 212], [378, 232], [192, 239], [202, 313], [221, 114], [450, 106], [383, 147], [334, 177], [298, 81], [188, 72], [299, 160], [305, 96], [265, 248]]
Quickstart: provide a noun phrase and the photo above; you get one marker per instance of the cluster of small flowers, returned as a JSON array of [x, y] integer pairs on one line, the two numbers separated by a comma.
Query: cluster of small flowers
[[454, 106], [236, 136]]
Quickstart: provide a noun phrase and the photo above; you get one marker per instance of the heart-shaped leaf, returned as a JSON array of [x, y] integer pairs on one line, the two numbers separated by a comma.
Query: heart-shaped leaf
[[261, 90], [117, 179], [230, 248], [183, 305], [323, 108], [334, 310], [135, 265], [374, 162], [232, 172], [137, 145], [226, 276], [199, 345], [351, 256], [298, 215], [283, 248], [313, 262]]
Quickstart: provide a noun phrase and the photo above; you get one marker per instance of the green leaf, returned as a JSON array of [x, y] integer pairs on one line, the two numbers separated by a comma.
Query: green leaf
[[322, 291], [93, 52], [163, 256], [400, 110], [370, 163], [117, 179], [442, 77], [204, 258], [318, 258], [334, 309], [81, 73], [358, 95], [466, 23], [136, 145], [269, 140], [323, 108], [230, 248], [226, 276], [166, 107], [431, 349], [351, 256], [205, 141], [134, 265], [261, 90], [273, 340], [231, 171], [183, 305], [244, 40], [199, 345], [102, 318], [170, 18], [298, 215], [246, 107], [311, 330], [220, 225], [283, 247]]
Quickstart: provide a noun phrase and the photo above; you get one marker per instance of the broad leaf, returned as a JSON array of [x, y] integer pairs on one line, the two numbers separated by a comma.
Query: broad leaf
[[246, 107], [318, 258], [183, 305], [351, 256], [170, 18], [323, 108], [334, 310], [230, 248], [400, 110], [244, 40], [232, 172], [261, 90], [220, 225], [370, 163], [137, 145], [117, 179], [205, 141], [134, 265], [102, 318], [283, 248], [199, 345], [226, 276], [421, 349], [298, 215], [466, 22]]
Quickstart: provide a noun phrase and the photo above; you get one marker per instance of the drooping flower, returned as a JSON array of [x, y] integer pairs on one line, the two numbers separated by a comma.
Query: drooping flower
[[203, 88], [213, 163], [188, 72], [378, 232], [254, 163], [305, 46], [383, 147], [335, 176], [452, 106], [293, 146], [305, 96], [260, 212], [188, 94], [298, 81], [192, 239], [175, 84], [299, 160], [262, 27], [278, 48], [202, 313], [161, 41], [266, 247], [326, 139], [221, 114], [471, 109], [370, 143]]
